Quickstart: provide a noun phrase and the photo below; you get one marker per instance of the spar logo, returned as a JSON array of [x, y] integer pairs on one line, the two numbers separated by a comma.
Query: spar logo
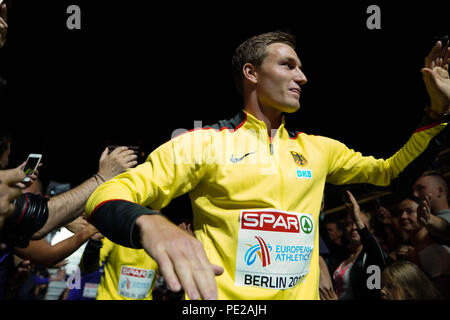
[[270, 221], [262, 249], [135, 272]]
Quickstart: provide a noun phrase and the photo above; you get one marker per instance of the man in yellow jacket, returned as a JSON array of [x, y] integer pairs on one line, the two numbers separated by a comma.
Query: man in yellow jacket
[[255, 186]]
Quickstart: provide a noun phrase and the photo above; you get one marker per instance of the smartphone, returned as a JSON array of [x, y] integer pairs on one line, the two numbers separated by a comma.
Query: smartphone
[[31, 165]]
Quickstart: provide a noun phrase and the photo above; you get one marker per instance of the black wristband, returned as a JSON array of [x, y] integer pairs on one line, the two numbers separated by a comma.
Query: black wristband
[[116, 220]]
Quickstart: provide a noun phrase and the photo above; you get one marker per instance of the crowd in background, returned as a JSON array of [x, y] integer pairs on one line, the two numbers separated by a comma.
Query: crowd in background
[[407, 241]]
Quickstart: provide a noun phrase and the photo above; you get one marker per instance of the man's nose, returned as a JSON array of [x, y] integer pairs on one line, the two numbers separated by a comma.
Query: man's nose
[[404, 215], [300, 77]]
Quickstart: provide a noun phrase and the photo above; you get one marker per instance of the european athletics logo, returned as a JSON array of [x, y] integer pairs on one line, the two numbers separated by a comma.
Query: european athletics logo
[[263, 251]]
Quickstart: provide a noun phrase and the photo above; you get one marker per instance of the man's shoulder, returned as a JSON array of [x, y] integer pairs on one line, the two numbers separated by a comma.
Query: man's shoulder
[[231, 124], [445, 214], [303, 136]]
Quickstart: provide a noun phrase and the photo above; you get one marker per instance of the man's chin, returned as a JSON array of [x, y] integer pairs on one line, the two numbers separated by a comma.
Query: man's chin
[[290, 109]]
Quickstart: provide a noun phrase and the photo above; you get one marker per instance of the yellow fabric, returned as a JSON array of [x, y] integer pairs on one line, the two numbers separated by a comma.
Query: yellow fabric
[[199, 162], [115, 256]]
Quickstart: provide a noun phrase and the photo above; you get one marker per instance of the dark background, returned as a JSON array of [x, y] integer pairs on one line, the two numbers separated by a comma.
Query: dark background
[[136, 71]]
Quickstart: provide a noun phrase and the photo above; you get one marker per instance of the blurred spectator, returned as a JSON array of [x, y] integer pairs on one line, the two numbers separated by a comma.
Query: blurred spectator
[[429, 255], [387, 231], [327, 263], [403, 280], [335, 233], [336, 243], [351, 276], [3, 24], [41, 280], [9, 192], [434, 184]]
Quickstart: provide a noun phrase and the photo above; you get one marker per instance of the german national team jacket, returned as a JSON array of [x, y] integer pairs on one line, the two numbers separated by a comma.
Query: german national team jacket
[[256, 200]]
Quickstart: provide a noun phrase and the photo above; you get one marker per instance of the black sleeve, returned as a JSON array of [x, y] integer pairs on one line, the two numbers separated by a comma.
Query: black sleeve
[[375, 255], [116, 220]]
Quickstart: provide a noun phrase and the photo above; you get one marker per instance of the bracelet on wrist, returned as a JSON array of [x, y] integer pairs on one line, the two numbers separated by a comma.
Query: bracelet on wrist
[[101, 178], [436, 115]]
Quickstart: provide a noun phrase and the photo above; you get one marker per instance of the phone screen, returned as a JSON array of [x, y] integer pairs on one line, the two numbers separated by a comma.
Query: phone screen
[[30, 166]]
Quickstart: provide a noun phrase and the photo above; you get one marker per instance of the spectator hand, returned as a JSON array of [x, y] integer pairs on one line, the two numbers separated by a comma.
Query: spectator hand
[[436, 78], [404, 252], [181, 257], [32, 177], [97, 236], [119, 160], [24, 266], [91, 230], [77, 225], [354, 211], [401, 253], [3, 25], [9, 191], [327, 294], [424, 211]]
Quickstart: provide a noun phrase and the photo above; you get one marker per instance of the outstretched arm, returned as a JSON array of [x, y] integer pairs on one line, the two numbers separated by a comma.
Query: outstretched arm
[[405, 166], [67, 206], [43, 253]]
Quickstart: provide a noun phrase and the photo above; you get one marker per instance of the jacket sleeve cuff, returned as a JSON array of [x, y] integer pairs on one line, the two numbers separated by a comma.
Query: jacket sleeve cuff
[[116, 220]]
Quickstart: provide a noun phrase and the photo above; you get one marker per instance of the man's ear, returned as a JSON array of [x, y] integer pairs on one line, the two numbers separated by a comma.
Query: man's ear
[[250, 73], [441, 192]]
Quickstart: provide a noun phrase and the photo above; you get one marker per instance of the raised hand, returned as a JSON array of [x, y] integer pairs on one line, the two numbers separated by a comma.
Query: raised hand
[[118, 161], [436, 78], [354, 211], [424, 211], [327, 294]]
